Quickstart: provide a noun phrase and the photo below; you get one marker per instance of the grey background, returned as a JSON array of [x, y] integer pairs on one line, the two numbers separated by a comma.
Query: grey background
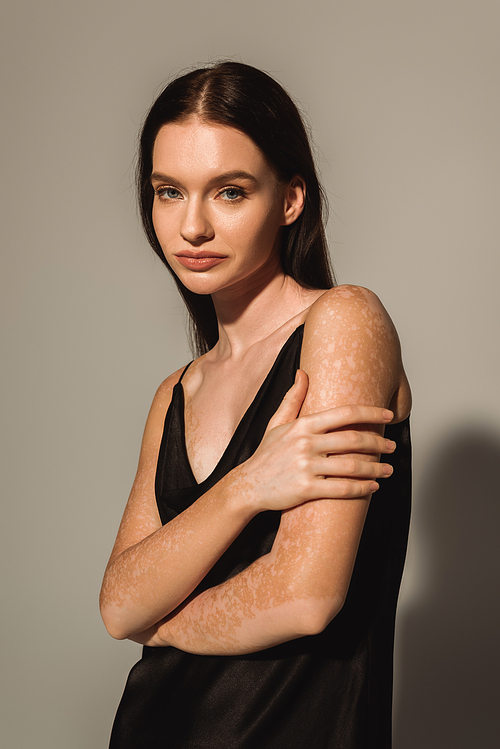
[[405, 110]]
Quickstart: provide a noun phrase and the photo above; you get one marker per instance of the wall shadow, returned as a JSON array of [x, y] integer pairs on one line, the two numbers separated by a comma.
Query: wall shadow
[[449, 642]]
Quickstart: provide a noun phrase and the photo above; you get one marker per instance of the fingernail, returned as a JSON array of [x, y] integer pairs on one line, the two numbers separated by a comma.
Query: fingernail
[[390, 445], [388, 470], [387, 414], [374, 486]]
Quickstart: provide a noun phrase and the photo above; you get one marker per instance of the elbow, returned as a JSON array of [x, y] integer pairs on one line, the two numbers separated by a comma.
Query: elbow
[[112, 621], [114, 629], [315, 614]]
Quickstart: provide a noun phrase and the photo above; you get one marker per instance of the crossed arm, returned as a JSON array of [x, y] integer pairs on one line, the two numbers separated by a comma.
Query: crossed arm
[[351, 355]]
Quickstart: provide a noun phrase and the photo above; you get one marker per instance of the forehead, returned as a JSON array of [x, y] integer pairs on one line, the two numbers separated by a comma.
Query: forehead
[[196, 145]]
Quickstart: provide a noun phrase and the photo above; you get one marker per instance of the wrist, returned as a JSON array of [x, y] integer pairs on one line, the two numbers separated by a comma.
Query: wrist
[[240, 494]]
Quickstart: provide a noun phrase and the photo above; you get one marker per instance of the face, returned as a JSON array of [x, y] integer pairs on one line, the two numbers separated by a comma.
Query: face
[[218, 207]]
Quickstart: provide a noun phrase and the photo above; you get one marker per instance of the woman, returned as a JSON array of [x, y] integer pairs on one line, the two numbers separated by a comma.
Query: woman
[[266, 621]]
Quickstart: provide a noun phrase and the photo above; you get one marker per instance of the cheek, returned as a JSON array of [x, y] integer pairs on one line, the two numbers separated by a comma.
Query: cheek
[[155, 219], [160, 225], [254, 229]]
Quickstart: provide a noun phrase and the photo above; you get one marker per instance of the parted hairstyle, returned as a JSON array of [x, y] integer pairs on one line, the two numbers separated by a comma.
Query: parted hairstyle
[[243, 97]]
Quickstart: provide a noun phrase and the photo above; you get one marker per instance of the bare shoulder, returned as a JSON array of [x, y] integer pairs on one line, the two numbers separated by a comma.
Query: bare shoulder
[[352, 354], [348, 304], [153, 431], [163, 395], [159, 407]]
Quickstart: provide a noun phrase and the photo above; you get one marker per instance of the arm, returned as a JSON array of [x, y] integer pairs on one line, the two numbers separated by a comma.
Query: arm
[[154, 568], [351, 353]]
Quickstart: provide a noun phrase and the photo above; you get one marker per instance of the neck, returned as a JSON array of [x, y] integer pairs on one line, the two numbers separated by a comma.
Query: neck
[[249, 315]]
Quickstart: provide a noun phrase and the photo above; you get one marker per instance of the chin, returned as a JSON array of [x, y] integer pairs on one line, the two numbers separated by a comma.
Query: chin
[[199, 283]]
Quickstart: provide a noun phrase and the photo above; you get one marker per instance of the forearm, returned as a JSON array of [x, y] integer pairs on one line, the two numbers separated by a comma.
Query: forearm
[[293, 591], [151, 578], [231, 619], [259, 608]]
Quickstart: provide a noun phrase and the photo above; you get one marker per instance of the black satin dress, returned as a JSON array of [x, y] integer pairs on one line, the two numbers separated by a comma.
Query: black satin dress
[[328, 691]]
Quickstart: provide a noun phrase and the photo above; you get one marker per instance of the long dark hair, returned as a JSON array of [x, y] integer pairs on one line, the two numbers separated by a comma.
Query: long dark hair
[[243, 97]]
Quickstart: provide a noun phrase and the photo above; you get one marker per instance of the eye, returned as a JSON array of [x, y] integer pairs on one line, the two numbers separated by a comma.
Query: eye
[[231, 194], [168, 193]]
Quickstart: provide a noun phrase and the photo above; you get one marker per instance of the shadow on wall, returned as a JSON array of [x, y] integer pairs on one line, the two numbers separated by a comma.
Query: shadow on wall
[[449, 644]]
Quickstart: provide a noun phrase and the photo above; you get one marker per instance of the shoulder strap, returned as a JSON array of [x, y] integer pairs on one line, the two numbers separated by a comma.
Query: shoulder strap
[[184, 371]]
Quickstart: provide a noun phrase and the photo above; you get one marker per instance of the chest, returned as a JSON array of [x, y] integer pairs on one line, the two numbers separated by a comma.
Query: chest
[[212, 413]]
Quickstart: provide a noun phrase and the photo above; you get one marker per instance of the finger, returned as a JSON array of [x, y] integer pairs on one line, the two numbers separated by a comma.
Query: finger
[[352, 441], [343, 488], [290, 406], [351, 468], [342, 416]]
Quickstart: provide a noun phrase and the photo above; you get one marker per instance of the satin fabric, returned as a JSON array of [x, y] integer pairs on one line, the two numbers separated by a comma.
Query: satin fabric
[[329, 691]]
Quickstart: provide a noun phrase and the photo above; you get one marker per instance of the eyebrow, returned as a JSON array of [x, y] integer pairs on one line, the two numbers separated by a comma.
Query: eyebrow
[[225, 177]]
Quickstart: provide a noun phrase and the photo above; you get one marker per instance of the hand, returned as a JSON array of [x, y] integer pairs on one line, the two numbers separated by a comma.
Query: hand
[[310, 457]]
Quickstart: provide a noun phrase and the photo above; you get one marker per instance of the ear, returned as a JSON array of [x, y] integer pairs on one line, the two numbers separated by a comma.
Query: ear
[[295, 196]]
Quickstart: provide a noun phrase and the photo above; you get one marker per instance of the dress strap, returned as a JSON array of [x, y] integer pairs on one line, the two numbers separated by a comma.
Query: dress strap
[[184, 371]]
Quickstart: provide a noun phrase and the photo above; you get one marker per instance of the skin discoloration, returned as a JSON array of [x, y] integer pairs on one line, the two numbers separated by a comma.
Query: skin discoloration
[[317, 541], [351, 333]]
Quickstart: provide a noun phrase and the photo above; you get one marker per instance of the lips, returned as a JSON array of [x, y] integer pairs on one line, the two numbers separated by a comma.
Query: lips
[[202, 260], [200, 253]]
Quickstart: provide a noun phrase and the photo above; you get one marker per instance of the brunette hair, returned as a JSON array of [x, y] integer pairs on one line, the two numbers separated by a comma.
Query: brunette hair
[[243, 97]]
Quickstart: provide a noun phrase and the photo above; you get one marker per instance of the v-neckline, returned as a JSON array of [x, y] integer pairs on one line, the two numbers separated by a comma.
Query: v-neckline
[[246, 416]]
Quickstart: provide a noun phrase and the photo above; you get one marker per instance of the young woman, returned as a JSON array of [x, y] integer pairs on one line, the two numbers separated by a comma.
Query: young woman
[[250, 561]]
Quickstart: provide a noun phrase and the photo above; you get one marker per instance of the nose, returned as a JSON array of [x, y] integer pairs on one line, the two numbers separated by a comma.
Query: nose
[[196, 227]]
